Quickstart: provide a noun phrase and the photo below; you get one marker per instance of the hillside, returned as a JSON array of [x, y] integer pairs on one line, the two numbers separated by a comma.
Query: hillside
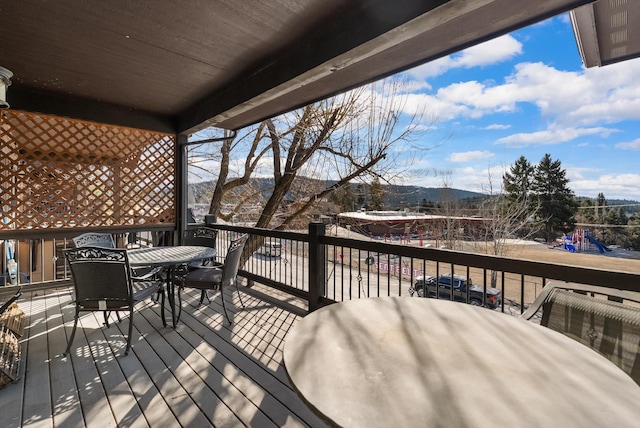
[[395, 197], [411, 196]]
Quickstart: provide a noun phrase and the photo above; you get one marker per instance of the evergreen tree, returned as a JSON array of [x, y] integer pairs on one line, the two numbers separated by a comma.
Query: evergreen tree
[[426, 206], [517, 187], [556, 201], [518, 181], [344, 197], [633, 240], [360, 196], [377, 194], [586, 212], [600, 208], [614, 217]]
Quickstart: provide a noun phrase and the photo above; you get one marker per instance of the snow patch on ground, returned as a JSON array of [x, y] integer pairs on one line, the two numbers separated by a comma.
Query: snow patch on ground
[[522, 242]]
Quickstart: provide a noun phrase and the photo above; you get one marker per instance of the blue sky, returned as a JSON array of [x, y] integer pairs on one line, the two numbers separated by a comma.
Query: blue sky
[[528, 93]]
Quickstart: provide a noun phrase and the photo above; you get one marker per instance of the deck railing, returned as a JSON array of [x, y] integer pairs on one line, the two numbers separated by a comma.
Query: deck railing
[[322, 268]]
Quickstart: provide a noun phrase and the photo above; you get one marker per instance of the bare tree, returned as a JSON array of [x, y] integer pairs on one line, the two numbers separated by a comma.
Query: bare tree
[[237, 191], [450, 228], [342, 139], [505, 218]]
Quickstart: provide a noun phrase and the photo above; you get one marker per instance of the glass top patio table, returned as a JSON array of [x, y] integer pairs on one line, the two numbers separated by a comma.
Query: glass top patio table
[[400, 361], [170, 257]]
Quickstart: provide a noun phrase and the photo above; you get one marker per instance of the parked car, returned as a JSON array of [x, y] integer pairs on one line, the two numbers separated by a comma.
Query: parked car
[[270, 249], [460, 285]]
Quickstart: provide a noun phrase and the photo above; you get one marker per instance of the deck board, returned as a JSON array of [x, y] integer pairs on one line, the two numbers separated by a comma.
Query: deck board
[[11, 395], [272, 396], [204, 372], [37, 398], [63, 388]]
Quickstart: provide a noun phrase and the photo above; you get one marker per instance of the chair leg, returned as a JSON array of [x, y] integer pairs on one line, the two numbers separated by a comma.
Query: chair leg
[[224, 307], [73, 332], [106, 318], [203, 295], [157, 296], [239, 295], [126, 351]]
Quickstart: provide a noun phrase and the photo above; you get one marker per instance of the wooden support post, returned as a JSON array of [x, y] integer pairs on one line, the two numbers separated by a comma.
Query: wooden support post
[[317, 265]]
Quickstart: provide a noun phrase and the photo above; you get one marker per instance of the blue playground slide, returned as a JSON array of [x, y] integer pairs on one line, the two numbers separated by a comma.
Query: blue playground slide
[[601, 247], [570, 247]]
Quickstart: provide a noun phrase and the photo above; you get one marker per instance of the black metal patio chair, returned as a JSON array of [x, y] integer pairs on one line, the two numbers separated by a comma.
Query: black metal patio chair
[[102, 282], [105, 240], [202, 236], [215, 277], [606, 320], [95, 239]]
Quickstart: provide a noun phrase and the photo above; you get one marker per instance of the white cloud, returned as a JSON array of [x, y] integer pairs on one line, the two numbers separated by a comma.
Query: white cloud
[[497, 126], [487, 53], [596, 95], [587, 97], [613, 186], [470, 156], [552, 136], [631, 145]]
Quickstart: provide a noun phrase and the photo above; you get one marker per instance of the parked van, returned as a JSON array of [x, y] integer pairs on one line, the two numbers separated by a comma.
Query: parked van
[[271, 249]]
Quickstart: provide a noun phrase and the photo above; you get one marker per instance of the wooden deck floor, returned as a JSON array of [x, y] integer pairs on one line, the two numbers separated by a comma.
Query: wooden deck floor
[[203, 373]]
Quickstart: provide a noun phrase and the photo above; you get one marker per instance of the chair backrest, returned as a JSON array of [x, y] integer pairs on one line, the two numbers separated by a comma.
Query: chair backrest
[[232, 260], [190, 217], [204, 236], [94, 239], [606, 320], [101, 277]]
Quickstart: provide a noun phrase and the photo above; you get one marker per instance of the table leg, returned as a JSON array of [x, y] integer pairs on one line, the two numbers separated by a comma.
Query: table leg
[[171, 292], [162, 301]]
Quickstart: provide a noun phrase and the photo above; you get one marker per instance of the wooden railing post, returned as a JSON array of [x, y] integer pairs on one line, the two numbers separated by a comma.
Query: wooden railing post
[[317, 265]]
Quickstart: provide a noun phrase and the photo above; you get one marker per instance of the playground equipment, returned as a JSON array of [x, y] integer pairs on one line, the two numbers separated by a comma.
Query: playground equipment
[[581, 240], [599, 245]]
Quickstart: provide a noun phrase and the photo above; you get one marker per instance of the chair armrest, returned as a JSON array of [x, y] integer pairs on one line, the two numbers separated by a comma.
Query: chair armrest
[[149, 272], [538, 302]]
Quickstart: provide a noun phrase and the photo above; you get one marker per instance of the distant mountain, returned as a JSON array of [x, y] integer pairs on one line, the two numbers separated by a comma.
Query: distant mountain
[[396, 197]]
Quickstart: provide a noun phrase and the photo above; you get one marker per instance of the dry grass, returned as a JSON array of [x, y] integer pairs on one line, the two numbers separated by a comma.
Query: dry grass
[[617, 259]]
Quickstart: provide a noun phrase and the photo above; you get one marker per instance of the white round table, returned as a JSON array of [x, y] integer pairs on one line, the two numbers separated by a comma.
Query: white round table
[[405, 362]]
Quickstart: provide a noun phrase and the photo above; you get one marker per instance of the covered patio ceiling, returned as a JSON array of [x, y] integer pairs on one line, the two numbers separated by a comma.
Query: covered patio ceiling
[[607, 31], [179, 67]]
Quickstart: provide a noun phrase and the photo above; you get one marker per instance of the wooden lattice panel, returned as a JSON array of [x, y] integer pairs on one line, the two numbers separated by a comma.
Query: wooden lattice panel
[[62, 173]]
